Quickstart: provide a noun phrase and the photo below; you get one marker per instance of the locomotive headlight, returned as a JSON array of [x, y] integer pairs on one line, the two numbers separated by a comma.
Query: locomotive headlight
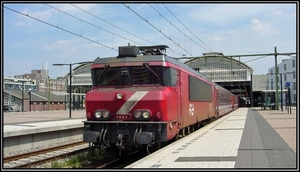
[[137, 114], [105, 114], [119, 96], [146, 114], [98, 114], [102, 114], [142, 114]]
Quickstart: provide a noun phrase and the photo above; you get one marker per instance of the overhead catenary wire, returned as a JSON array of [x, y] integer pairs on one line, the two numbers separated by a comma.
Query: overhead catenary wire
[[157, 29], [79, 35], [220, 77], [114, 25], [189, 30], [119, 27], [27, 15], [92, 24]]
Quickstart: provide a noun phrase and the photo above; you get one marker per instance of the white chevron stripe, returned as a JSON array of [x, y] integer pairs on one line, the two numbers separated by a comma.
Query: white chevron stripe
[[131, 102]]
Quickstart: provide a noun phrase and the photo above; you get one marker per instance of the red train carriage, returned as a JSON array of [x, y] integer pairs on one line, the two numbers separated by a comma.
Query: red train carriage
[[143, 98], [225, 101]]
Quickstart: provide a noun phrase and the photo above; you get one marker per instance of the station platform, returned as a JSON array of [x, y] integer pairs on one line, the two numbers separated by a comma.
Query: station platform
[[41, 116], [244, 139], [21, 123]]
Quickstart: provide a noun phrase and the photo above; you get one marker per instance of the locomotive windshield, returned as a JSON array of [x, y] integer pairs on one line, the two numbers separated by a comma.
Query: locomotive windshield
[[130, 75]]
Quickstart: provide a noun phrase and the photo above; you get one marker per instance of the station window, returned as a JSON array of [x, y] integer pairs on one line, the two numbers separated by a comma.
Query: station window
[[294, 86], [284, 77], [272, 84], [294, 76], [294, 63]]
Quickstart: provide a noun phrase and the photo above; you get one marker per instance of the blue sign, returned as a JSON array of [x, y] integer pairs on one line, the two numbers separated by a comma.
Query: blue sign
[[287, 84]]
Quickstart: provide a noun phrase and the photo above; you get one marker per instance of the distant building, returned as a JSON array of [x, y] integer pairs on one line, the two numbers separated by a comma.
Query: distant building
[[40, 79], [259, 83], [44, 91], [286, 76], [18, 83]]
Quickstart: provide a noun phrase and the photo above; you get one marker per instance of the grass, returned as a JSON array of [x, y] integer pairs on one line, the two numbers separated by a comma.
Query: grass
[[78, 161]]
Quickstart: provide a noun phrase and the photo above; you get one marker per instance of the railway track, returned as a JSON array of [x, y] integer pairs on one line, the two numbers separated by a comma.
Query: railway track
[[119, 163], [35, 158]]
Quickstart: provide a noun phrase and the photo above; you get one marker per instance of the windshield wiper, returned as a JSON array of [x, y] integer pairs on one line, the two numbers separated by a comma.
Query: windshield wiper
[[104, 70], [145, 64]]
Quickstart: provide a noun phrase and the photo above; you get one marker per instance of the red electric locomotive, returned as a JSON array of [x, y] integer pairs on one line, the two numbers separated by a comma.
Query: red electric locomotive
[[142, 98]]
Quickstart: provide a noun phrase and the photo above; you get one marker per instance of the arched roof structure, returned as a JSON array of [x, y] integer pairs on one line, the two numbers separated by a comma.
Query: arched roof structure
[[227, 72], [220, 68]]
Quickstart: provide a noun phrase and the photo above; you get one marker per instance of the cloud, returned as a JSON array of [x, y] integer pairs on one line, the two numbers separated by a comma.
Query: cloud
[[59, 44], [70, 8], [262, 28], [224, 14], [218, 38], [277, 13], [63, 48], [85, 35]]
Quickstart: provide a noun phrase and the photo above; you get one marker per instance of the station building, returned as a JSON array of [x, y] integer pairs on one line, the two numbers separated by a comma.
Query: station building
[[287, 71]]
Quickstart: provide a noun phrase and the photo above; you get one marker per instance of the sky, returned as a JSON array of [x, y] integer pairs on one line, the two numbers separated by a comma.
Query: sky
[[38, 35]]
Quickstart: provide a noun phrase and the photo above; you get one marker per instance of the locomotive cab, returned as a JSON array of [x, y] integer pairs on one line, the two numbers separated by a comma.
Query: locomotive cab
[[142, 98], [130, 103]]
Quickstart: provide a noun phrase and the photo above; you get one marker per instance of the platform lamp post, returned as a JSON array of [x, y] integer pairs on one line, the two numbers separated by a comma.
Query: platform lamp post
[[70, 80], [29, 94], [281, 101], [23, 87], [48, 93]]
